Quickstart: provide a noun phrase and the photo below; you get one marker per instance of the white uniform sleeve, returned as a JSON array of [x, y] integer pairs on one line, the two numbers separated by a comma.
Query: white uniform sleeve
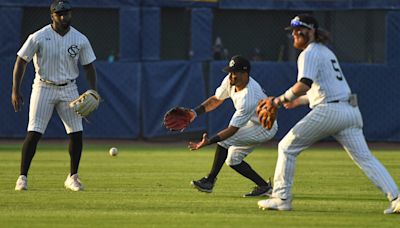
[[86, 55], [222, 92], [29, 48], [241, 116], [307, 65]]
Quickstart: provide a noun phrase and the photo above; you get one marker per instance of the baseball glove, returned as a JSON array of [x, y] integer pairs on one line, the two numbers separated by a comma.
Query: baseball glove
[[177, 118], [267, 112], [85, 103]]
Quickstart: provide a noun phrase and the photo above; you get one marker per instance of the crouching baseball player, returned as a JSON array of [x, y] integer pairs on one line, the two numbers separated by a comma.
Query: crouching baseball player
[[244, 131]]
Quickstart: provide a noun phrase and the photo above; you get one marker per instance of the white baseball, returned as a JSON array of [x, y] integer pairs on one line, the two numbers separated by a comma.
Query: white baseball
[[113, 151]]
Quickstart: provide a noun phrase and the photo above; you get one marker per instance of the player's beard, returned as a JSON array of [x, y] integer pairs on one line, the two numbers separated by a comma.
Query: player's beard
[[302, 41], [66, 25]]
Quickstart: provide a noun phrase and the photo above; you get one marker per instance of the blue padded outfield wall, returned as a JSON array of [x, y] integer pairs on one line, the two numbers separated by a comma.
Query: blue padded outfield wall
[[139, 88]]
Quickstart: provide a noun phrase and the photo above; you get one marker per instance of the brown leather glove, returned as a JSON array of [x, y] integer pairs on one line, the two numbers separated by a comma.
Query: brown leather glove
[[267, 112]]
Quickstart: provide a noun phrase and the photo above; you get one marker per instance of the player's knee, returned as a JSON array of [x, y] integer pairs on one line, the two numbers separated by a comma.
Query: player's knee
[[282, 146], [287, 141], [33, 136], [233, 160]]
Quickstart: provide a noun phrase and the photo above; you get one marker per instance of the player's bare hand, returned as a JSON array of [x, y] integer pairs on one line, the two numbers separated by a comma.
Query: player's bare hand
[[293, 104], [290, 105], [202, 143], [17, 101]]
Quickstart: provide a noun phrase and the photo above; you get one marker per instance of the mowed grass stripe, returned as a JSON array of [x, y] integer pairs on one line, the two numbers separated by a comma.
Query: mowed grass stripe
[[148, 186]]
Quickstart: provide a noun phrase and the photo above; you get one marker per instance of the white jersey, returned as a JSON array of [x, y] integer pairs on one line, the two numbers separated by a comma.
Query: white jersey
[[250, 132], [245, 101], [55, 57], [320, 64]]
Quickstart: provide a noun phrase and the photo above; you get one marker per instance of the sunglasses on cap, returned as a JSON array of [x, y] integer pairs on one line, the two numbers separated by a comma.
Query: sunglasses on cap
[[297, 23]]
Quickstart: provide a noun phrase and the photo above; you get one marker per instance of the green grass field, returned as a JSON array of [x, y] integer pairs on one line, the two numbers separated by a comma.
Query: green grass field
[[148, 186]]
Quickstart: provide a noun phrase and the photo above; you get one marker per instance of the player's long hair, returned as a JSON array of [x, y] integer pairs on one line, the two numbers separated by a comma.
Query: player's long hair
[[322, 36]]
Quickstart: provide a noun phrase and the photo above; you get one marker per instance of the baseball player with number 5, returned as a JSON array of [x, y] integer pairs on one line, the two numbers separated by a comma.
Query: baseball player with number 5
[[55, 50], [322, 85]]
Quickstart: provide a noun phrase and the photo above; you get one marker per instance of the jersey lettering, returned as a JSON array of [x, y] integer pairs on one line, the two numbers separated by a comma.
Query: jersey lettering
[[336, 68]]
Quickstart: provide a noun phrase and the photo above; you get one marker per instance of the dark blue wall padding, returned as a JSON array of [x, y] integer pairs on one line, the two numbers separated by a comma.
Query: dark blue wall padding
[[376, 87], [116, 117], [74, 3], [129, 24], [13, 124], [10, 20], [202, 20], [168, 84], [179, 3], [274, 78], [393, 38], [308, 5], [150, 34]]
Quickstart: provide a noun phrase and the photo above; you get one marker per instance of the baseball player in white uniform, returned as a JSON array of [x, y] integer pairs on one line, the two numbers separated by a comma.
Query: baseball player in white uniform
[[244, 131], [322, 85], [55, 50]]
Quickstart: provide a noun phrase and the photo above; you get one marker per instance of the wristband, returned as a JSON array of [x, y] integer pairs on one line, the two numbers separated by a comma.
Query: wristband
[[287, 96], [214, 139], [199, 110]]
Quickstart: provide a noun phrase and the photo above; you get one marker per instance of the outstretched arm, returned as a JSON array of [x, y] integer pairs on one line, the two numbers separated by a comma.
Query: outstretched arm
[[18, 74], [207, 106], [222, 135], [211, 103]]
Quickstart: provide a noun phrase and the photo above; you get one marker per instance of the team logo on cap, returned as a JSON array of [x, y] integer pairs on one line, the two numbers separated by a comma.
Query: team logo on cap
[[61, 3], [232, 63]]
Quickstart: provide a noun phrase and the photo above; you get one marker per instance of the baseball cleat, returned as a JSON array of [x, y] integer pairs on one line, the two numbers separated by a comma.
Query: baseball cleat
[[73, 183], [204, 184], [22, 183], [276, 204], [260, 191], [394, 207]]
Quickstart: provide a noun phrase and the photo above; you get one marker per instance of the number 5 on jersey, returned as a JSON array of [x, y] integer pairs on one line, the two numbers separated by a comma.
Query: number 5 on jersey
[[337, 69]]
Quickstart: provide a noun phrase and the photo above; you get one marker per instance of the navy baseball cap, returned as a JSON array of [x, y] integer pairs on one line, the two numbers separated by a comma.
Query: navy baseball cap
[[60, 6], [238, 63], [303, 20]]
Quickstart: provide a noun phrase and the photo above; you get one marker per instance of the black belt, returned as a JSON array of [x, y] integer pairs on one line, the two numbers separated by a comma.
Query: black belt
[[335, 101], [55, 84]]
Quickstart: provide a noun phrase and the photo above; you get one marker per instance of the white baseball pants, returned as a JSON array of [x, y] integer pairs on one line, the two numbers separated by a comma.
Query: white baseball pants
[[45, 98], [344, 123], [244, 140]]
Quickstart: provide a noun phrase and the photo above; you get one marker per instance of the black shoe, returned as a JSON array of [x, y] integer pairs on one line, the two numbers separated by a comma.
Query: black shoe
[[204, 184], [260, 191]]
